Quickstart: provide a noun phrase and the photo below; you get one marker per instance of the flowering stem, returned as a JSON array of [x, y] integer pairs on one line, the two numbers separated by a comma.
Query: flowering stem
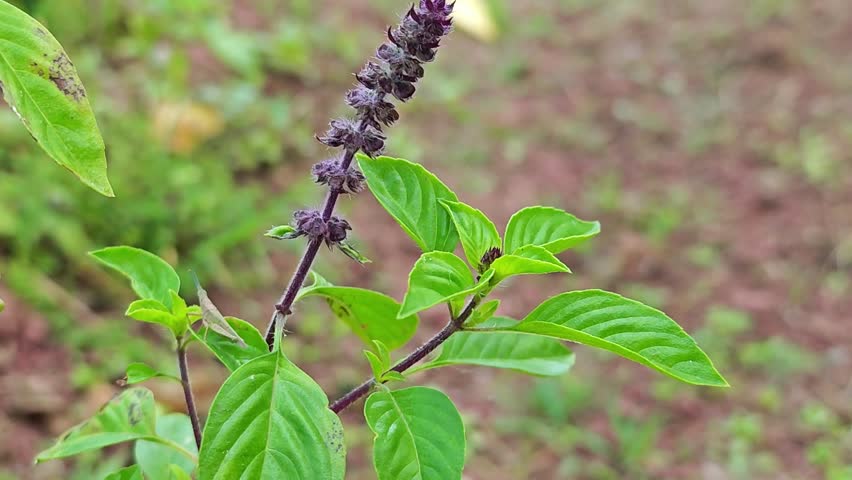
[[283, 307], [187, 393], [419, 354], [392, 73]]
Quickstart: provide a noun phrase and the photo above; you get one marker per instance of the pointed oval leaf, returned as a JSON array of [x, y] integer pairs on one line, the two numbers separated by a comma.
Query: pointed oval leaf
[[281, 232], [508, 350], [476, 232], [419, 435], [156, 459], [140, 372], [41, 85], [152, 311], [483, 313], [229, 352], [635, 331], [132, 472], [371, 315], [271, 420], [129, 416], [150, 276], [527, 260], [410, 194], [551, 228], [439, 277]]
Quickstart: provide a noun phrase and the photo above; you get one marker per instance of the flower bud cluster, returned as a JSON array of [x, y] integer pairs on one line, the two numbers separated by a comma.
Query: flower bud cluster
[[393, 72]]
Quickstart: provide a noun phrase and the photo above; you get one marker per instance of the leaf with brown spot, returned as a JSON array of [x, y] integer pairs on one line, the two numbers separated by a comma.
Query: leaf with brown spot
[[41, 85], [130, 416]]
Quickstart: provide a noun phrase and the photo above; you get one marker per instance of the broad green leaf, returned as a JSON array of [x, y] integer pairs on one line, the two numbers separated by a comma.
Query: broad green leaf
[[177, 473], [477, 233], [371, 315], [508, 350], [419, 435], [527, 260], [626, 327], [271, 420], [129, 416], [41, 85], [551, 228], [152, 311], [150, 276], [132, 472], [439, 277], [483, 313], [410, 194], [281, 232], [230, 353], [213, 319], [140, 372], [156, 459]]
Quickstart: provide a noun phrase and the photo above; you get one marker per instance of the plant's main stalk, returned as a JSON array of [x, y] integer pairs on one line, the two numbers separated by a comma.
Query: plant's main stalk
[[398, 65]]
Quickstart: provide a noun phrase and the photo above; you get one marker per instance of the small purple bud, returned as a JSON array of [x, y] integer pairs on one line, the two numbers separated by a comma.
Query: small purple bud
[[337, 228], [490, 256], [309, 223]]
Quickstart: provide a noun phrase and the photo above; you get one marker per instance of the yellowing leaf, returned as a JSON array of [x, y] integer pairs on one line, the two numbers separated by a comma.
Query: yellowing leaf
[[182, 127], [477, 19]]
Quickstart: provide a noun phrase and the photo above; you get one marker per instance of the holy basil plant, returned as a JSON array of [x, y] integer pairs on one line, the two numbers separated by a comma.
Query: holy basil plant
[[270, 419]]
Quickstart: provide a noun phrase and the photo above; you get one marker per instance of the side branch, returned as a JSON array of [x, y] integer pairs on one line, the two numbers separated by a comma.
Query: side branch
[[416, 356]]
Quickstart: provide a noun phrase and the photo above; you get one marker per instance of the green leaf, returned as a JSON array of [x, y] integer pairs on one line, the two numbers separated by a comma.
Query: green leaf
[[177, 473], [509, 350], [271, 420], [152, 311], [419, 435], [371, 315], [132, 472], [477, 233], [439, 277], [140, 372], [410, 194], [41, 85], [281, 232], [2, 305], [156, 459], [129, 416], [527, 260], [230, 353], [150, 276], [551, 228], [483, 313], [626, 327], [375, 364]]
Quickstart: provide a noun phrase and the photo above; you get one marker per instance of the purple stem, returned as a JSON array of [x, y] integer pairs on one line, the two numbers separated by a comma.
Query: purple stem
[[419, 354], [283, 307], [187, 393]]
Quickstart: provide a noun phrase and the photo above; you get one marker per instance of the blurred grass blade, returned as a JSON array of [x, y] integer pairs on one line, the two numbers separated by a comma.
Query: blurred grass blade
[[41, 85]]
